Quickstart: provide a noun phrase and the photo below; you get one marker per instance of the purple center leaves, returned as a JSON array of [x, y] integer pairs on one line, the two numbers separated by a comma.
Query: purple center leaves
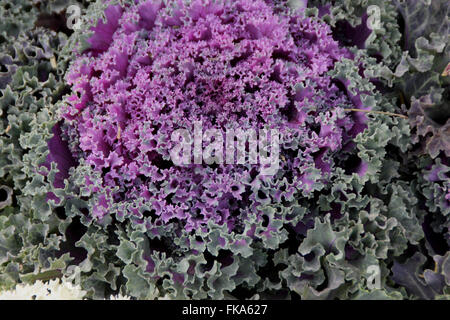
[[152, 70]]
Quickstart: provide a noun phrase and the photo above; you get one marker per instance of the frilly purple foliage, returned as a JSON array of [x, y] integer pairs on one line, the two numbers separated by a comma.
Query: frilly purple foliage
[[350, 195], [151, 70], [435, 137]]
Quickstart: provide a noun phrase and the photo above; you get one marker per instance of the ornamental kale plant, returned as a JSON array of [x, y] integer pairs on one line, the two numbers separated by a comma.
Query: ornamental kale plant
[[357, 92], [233, 65]]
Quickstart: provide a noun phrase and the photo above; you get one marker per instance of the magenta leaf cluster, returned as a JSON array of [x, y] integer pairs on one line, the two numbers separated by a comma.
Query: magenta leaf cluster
[[153, 69]]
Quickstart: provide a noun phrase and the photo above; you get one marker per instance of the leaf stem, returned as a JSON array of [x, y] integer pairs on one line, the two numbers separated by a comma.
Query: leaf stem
[[48, 275], [379, 112]]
